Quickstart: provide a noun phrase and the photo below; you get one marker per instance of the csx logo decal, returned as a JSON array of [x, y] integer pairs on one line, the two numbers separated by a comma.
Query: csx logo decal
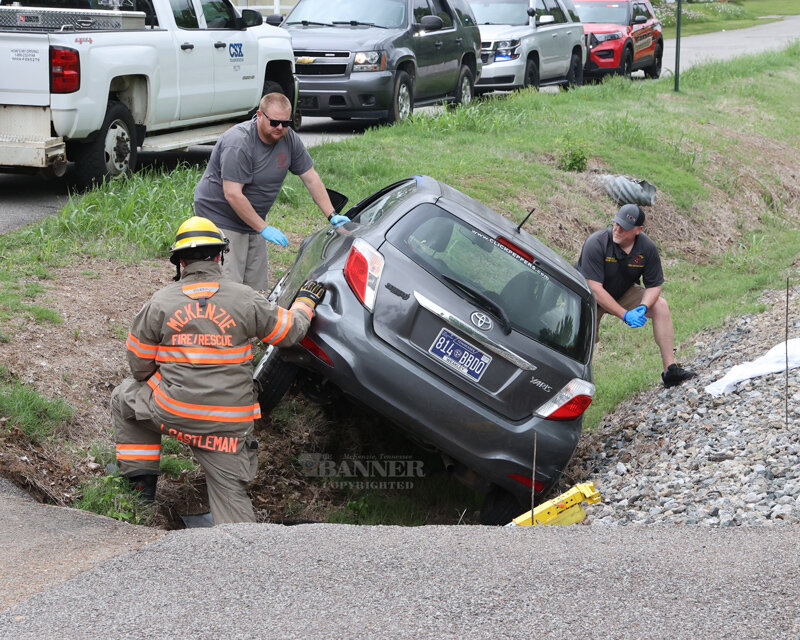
[[235, 50]]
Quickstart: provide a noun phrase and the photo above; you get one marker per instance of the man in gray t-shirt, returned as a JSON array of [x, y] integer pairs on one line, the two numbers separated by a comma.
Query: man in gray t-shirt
[[244, 177]]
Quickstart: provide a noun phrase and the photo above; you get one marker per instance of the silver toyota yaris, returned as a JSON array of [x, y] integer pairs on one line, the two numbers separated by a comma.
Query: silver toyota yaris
[[456, 325]]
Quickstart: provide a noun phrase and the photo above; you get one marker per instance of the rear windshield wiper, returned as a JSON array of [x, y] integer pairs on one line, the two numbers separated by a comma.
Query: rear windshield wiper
[[307, 23], [487, 303], [358, 23]]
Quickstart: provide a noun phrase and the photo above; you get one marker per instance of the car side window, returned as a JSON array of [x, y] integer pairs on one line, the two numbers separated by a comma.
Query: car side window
[[441, 9], [573, 13], [219, 14], [464, 13], [541, 10], [555, 10], [640, 10], [421, 9], [185, 16]]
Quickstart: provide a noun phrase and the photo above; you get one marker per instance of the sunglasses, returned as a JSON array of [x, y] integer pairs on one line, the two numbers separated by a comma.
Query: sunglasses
[[275, 123]]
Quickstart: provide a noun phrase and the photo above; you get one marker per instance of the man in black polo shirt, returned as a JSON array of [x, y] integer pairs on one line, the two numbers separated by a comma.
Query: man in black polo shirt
[[613, 261]]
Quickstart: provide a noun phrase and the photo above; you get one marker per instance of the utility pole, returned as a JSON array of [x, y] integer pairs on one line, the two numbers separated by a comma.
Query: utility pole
[[678, 47]]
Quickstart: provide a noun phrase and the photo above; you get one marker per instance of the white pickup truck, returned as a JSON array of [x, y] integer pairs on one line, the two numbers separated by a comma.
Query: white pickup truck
[[90, 83]]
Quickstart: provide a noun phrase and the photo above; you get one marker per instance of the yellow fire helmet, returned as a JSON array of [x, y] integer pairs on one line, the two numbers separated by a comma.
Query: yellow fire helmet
[[194, 233], [198, 232]]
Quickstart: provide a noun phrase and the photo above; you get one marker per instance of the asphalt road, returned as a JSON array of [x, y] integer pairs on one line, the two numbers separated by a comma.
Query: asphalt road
[[26, 199]]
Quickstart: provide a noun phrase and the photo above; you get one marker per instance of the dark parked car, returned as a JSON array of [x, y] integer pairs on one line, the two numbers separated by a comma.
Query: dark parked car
[[454, 324], [381, 58]]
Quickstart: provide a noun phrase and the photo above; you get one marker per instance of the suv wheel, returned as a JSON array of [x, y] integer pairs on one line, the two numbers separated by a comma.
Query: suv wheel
[[403, 101], [531, 78], [654, 70], [465, 90], [627, 62], [575, 73]]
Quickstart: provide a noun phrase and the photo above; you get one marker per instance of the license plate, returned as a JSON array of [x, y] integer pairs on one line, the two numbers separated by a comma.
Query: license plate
[[460, 355]]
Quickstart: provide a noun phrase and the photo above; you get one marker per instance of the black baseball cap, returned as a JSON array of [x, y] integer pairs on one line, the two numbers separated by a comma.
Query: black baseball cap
[[629, 216]]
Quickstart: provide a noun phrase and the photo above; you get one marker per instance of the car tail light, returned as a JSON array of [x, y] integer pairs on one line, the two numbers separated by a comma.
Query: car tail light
[[568, 403], [518, 250], [363, 272], [65, 70], [527, 481], [316, 350]]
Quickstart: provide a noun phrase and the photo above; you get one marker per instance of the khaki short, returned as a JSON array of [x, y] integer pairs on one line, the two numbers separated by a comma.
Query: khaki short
[[247, 261], [631, 299]]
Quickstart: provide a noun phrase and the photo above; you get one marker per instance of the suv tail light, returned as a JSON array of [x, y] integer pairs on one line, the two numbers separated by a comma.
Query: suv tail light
[[65, 70], [363, 272], [568, 403]]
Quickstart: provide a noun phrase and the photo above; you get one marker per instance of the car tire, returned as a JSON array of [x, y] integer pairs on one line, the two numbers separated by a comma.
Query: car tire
[[627, 62], [531, 78], [654, 70], [499, 507], [403, 99], [110, 151], [465, 89], [273, 377], [297, 120], [575, 73]]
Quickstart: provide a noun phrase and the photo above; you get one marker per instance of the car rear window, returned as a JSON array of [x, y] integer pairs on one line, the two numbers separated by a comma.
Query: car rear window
[[535, 302]]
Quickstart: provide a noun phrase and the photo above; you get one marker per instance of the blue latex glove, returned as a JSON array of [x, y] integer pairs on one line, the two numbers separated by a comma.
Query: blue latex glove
[[635, 317], [338, 221], [272, 234]]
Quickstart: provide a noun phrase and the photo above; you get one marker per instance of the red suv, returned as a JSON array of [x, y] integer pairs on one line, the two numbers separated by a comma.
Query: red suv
[[622, 36]]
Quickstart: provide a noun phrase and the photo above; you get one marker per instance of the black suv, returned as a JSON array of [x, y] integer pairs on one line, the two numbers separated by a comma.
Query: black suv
[[381, 58]]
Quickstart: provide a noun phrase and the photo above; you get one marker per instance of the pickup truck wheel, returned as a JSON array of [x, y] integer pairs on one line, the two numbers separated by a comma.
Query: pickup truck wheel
[[627, 63], [465, 89], [273, 377], [112, 150], [575, 73], [531, 78], [654, 70], [403, 102], [297, 120]]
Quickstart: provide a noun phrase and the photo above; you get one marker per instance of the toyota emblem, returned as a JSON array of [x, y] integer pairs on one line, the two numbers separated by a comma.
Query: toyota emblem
[[481, 320]]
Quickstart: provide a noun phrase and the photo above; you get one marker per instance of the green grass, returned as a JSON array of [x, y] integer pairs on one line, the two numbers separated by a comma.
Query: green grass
[[708, 17], [23, 407], [112, 496]]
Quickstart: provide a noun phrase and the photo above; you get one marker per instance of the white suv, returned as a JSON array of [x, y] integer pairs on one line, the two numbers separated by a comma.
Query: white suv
[[529, 43]]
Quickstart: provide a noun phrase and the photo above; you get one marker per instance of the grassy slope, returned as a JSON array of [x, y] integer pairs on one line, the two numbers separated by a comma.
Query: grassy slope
[[723, 139], [708, 17]]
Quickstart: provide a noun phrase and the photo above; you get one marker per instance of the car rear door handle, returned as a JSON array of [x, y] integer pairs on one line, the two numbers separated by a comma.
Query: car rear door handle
[[219, 45], [187, 45], [438, 44], [459, 40]]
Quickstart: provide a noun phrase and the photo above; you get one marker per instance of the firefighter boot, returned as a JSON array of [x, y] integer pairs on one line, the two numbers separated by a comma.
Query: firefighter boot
[[145, 485]]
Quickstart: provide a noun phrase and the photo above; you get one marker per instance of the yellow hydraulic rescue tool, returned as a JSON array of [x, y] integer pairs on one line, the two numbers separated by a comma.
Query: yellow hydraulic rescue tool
[[563, 509]]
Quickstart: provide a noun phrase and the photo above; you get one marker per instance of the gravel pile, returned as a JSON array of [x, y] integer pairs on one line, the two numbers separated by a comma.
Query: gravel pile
[[684, 456]]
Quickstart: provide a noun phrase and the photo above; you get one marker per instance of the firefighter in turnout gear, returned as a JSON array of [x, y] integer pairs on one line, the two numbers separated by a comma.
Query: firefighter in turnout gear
[[190, 356]]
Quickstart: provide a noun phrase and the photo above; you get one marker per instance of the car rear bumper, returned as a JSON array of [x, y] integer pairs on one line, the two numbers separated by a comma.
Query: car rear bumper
[[361, 95], [372, 372]]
